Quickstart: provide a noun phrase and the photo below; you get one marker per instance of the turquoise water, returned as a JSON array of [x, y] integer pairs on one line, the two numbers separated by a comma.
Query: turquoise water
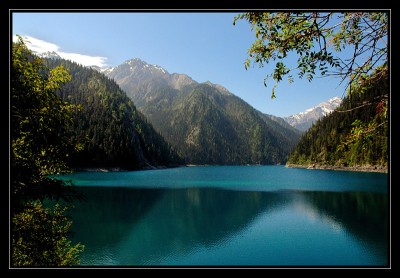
[[232, 216]]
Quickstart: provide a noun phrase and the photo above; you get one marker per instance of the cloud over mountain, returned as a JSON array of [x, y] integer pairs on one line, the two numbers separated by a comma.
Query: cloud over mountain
[[40, 46]]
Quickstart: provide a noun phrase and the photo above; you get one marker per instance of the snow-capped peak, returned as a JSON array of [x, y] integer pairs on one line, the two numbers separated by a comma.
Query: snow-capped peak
[[137, 63], [159, 68], [106, 70], [305, 119], [49, 54]]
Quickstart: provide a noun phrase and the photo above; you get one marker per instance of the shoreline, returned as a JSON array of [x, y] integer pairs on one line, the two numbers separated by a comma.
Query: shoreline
[[104, 170], [372, 169], [117, 169]]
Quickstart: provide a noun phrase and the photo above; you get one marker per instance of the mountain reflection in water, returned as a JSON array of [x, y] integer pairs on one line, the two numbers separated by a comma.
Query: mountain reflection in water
[[132, 226]]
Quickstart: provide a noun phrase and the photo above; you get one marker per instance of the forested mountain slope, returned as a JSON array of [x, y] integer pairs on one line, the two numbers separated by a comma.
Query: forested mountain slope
[[115, 133], [204, 122], [356, 134]]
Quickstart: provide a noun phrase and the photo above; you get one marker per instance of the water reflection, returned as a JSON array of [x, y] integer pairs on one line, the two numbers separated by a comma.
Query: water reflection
[[147, 226], [108, 214], [363, 214]]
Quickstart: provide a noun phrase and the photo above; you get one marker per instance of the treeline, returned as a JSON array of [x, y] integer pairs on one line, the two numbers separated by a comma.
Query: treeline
[[356, 134], [114, 132]]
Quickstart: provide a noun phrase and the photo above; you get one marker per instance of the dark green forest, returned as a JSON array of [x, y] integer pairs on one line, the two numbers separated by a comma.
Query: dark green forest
[[207, 127], [114, 132], [356, 134], [204, 122]]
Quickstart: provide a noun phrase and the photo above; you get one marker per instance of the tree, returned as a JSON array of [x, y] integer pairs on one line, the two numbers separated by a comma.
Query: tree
[[318, 39], [313, 36], [40, 147]]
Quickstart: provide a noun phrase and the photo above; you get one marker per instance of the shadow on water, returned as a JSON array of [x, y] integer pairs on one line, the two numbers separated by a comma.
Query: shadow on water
[[109, 213], [363, 214], [131, 226]]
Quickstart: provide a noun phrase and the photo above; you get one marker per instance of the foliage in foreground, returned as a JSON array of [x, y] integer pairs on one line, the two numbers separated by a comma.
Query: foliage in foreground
[[40, 237], [40, 147], [318, 39]]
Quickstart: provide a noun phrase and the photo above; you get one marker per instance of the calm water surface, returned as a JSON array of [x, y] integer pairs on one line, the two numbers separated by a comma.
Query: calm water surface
[[232, 216]]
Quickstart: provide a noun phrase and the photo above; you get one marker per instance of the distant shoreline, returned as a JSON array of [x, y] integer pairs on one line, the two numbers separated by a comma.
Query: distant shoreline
[[364, 168], [113, 169], [117, 169]]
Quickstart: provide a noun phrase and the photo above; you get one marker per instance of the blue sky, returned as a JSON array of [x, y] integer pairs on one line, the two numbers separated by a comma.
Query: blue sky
[[204, 45]]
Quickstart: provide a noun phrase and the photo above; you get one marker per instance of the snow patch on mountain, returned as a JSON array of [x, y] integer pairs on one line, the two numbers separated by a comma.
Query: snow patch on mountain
[[305, 119], [49, 55]]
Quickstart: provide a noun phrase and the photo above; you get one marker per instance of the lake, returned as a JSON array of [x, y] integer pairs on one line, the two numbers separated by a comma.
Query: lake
[[216, 216]]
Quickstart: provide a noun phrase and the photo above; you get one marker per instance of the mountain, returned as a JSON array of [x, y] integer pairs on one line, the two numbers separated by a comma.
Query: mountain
[[304, 120], [204, 122], [139, 80], [115, 133], [49, 55], [280, 126], [355, 134]]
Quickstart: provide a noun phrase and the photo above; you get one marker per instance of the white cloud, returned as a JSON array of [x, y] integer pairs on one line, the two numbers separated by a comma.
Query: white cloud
[[84, 59], [41, 46]]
